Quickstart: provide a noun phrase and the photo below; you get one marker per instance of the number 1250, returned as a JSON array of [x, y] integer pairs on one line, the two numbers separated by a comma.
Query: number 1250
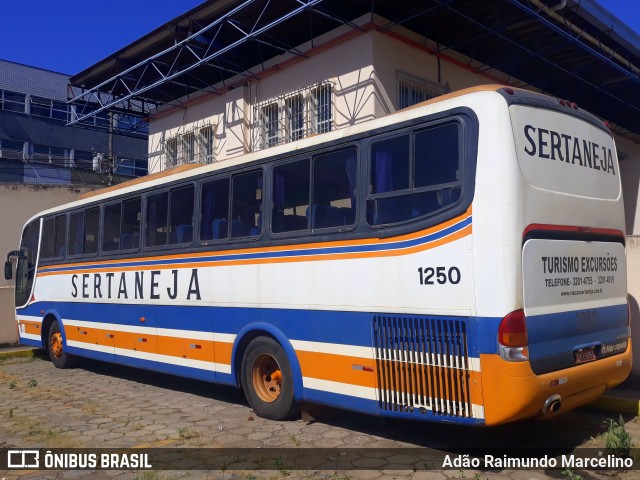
[[443, 275]]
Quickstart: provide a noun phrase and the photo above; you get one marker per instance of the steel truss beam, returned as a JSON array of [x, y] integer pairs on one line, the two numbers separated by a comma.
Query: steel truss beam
[[173, 63], [140, 88]]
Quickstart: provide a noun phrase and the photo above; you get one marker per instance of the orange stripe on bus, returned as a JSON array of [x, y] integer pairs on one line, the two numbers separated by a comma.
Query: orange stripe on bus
[[292, 248], [346, 369], [337, 368], [306, 258], [194, 349], [30, 327]]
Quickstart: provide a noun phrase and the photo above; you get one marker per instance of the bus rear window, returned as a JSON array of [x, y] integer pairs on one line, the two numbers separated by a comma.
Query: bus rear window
[[414, 175]]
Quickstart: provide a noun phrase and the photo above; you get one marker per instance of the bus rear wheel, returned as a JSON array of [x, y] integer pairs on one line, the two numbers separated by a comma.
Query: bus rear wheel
[[55, 346], [267, 380]]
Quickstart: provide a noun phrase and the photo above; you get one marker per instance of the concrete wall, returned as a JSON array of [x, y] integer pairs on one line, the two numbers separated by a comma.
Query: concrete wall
[[629, 155], [17, 204], [633, 278]]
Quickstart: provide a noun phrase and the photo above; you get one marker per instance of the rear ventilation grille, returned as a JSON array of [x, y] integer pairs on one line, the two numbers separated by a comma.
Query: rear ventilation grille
[[422, 364]]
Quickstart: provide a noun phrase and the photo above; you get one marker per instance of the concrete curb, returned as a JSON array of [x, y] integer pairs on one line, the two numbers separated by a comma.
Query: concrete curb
[[17, 352], [618, 402]]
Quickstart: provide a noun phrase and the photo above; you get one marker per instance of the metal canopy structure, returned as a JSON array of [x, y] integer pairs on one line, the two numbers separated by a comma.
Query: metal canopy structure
[[572, 49]]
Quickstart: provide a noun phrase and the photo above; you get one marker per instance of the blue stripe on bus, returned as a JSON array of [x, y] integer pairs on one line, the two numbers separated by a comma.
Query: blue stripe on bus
[[564, 332], [179, 370], [327, 326], [362, 405], [30, 342], [553, 333], [279, 253], [351, 328]]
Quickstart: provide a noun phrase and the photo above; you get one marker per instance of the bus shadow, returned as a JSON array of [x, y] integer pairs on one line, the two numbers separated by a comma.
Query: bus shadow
[[562, 434], [165, 381]]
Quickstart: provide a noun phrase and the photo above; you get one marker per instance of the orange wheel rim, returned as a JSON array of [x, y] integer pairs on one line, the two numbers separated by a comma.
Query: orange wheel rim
[[55, 343], [267, 378]]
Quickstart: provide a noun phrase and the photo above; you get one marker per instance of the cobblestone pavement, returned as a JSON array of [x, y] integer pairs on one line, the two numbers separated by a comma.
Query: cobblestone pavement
[[101, 405]]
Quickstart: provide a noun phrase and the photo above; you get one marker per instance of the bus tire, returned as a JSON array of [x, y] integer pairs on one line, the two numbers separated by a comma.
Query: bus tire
[[267, 380], [55, 347]]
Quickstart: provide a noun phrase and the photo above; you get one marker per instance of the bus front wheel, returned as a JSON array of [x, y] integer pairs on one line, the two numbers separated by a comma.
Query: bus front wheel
[[267, 380], [55, 346]]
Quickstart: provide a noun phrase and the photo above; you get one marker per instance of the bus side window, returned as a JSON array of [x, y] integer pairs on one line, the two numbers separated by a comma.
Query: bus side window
[[334, 189], [53, 243], [92, 224], [130, 230], [214, 209], [408, 183], [111, 227], [181, 215], [48, 238], [246, 205], [291, 192], [76, 232], [60, 240], [157, 213]]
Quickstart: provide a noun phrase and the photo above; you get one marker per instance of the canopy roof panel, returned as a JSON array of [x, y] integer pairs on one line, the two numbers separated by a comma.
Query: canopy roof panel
[[572, 49]]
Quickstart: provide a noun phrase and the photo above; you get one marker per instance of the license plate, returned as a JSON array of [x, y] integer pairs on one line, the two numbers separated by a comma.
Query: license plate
[[585, 355]]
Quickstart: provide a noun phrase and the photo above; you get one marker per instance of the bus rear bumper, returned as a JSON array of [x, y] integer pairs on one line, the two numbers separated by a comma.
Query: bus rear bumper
[[512, 391]]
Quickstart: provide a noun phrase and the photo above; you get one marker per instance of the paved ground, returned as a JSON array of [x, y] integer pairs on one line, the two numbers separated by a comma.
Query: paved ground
[[100, 405]]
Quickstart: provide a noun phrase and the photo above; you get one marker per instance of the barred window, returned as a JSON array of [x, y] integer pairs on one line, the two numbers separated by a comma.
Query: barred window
[[293, 116], [171, 152], [321, 108], [413, 89], [205, 145], [188, 148], [270, 126]]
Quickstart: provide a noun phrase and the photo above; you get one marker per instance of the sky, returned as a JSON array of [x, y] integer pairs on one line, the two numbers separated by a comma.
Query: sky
[[68, 36]]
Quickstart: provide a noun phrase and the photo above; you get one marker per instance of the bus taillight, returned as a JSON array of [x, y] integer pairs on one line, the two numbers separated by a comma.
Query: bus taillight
[[512, 337]]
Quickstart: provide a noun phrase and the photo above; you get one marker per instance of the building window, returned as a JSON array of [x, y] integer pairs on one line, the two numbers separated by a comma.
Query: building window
[[270, 125], [171, 152], [413, 89], [293, 116], [11, 149], [49, 154], [205, 145], [321, 108], [188, 148], [12, 101], [83, 159], [194, 146], [44, 107]]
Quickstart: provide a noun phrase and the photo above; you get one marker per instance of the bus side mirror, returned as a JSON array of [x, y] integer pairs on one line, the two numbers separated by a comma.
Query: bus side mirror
[[8, 270]]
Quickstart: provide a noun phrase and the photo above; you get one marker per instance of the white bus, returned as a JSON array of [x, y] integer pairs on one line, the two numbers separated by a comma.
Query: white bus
[[462, 260]]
